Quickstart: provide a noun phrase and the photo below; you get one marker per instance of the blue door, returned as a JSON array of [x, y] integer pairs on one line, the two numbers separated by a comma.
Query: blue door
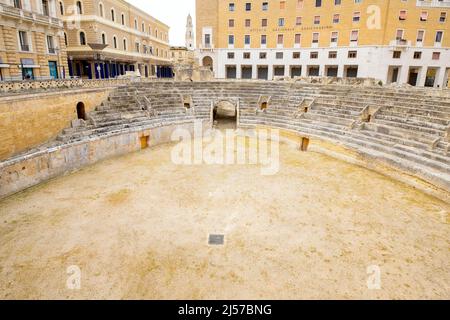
[[52, 66]]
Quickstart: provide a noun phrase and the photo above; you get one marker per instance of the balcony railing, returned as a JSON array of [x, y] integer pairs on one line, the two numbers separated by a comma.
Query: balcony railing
[[400, 43], [11, 11], [51, 50], [433, 3]]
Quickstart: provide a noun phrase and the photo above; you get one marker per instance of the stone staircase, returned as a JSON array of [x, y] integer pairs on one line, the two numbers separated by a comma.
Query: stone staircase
[[408, 127]]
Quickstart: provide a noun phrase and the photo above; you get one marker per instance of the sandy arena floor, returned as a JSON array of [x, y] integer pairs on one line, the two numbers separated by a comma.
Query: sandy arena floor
[[137, 227]]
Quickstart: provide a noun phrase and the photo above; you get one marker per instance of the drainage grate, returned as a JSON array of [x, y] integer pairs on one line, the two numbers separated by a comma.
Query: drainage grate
[[216, 239]]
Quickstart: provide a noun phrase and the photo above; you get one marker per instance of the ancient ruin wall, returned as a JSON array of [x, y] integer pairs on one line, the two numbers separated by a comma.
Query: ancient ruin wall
[[28, 120], [26, 171]]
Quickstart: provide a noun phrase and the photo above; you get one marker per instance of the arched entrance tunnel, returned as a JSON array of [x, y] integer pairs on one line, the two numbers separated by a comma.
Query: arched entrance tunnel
[[208, 62], [225, 115]]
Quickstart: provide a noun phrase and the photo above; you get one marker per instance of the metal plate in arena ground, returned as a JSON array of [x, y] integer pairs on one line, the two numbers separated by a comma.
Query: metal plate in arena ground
[[216, 239]]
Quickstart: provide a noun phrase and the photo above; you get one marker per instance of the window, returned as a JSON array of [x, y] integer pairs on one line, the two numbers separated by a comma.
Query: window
[[65, 39], [231, 39], [354, 36], [318, 3], [230, 55], [17, 4], [336, 18], [135, 24], [23, 38], [79, 8], [125, 44], [207, 40], [100, 10], [247, 39], [315, 37], [297, 38], [399, 34], [443, 17], [282, 5], [423, 16], [337, 2], [436, 55], [316, 19], [420, 35], [61, 8], [113, 15], [246, 55], [231, 23], [247, 23], [123, 19], [280, 39], [314, 55], [334, 37], [402, 15], [45, 10], [143, 27], [298, 21], [299, 4], [265, 6], [103, 38], [279, 55], [296, 55], [417, 54], [264, 23], [137, 46], [263, 39], [332, 54], [82, 38], [397, 54], [50, 45], [352, 54], [356, 16], [248, 6], [115, 42], [281, 22], [231, 7], [262, 55], [438, 38]]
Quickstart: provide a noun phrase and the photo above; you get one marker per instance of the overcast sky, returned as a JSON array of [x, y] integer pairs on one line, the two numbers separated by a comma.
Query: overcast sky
[[172, 13]]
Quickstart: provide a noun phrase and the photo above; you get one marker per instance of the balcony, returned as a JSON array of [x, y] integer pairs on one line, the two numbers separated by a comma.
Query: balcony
[[13, 12], [52, 50], [433, 3], [206, 47], [400, 43]]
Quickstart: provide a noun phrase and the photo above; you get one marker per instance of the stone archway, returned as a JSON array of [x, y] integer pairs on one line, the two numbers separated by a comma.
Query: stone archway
[[81, 111], [225, 113], [207, 61]]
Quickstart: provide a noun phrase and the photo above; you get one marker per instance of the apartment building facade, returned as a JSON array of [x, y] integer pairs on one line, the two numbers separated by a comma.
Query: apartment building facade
[[403, 41], [31, 41], [107, 38]]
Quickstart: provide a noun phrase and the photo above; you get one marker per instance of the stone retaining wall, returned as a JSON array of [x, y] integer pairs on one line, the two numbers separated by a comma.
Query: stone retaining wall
[[23, 172]]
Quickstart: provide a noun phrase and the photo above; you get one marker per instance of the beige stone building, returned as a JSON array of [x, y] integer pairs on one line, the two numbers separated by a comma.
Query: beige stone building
[[403, 41], [107, 38], [31, 40]]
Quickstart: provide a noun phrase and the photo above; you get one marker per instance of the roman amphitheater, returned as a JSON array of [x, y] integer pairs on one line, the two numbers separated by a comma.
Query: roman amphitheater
[[357, 208]]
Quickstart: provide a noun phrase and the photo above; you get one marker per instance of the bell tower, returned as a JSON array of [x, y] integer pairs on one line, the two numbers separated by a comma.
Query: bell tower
[[189, 33]]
